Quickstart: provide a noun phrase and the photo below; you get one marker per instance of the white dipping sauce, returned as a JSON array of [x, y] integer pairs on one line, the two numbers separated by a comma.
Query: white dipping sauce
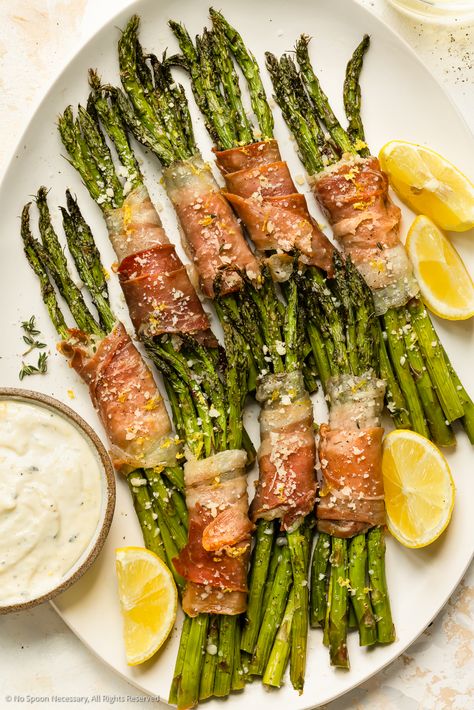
[[50, 499]]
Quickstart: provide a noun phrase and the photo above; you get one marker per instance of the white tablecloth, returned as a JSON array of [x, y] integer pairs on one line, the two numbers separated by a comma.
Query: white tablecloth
[[39, 656]]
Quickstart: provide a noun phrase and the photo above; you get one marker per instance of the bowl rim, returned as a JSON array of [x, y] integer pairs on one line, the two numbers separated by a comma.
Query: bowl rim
[[108, 476]]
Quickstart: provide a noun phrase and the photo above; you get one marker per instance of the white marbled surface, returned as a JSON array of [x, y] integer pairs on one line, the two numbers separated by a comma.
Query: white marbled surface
[[39, 656]]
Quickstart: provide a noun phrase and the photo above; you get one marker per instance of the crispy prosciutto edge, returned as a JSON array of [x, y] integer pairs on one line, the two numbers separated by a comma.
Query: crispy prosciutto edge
[[276, 215], [215, 559], [354, 195], [286, 487], [156, 285], [212, 236], [351, 496], [126, 397]]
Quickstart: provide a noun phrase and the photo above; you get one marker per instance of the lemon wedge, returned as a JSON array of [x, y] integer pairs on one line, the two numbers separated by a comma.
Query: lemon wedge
[[419, 488], [445, 284], [429, 184], [148, 599]]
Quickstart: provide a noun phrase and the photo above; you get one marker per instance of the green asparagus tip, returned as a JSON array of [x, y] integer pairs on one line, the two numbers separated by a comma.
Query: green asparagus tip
[[70, 200], [41, 195], [66, 121], [132, 26], [25, 223], [94, 79]]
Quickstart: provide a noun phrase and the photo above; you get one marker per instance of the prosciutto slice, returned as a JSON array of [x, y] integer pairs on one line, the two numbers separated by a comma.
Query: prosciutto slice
[[286, 487], [215, 559], [212, 235], [354, 195], [156, 285], [159, 294], [351, 496], [261, 190], [126, 398], [136, 225]]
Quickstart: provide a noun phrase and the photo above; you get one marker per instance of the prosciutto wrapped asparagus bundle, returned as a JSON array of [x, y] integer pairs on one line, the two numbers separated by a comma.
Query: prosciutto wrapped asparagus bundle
[[350, 505], [121, 386], [286, 487], [285, 491], [353, 191], [158, 117], [260, 186], [412, 398], [206, 394], [277, 218], [155, 110], [156, 286], [211, 232]]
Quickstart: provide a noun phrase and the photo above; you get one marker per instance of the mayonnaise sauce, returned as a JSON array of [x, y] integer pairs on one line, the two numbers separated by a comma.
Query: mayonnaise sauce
[[50, 499]]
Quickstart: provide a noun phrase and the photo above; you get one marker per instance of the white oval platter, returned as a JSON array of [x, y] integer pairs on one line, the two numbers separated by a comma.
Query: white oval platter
[[400, 100]]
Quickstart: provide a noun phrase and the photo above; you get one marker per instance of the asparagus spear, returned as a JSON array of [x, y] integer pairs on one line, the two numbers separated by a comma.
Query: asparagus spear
[[226, 72], [401, 366], [319, 98], [189, 670], [87, 259], [467, 403], [238, 674], [161, 141], [162, 498], [395, 400], [275, 560], [352, 619], [352, 97], [226, 653], [250, 70], [258, 574], [191, 60], [319, 579], [296, 114], [80, 157], [378, 583], [298, 545], [280, 652], [335, 630], [206, 688], [58, 266], [283, 645], [360, 592], [179, 668], [273, 615], [143, 508], [441, 433], [35, 256], [435, 361]]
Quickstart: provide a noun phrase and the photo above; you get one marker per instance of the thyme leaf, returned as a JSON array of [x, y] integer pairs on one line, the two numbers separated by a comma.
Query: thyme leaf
[[39, 369], [29, 326]]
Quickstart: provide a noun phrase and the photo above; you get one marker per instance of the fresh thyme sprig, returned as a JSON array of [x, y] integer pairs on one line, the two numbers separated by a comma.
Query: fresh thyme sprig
[[29, 326], [29, 340], [40, 369], [31, 331]]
